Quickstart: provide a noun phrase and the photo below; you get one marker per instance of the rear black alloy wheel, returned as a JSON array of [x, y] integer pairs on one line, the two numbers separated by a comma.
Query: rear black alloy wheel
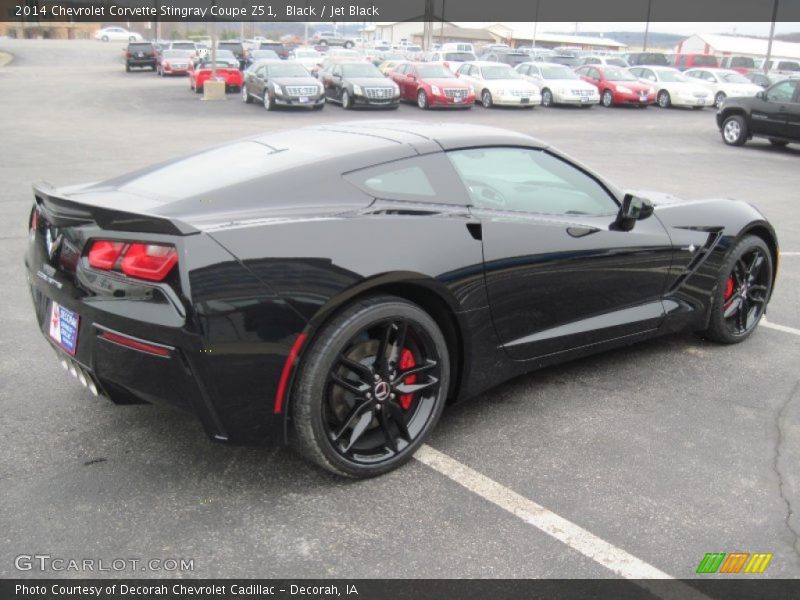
[[371, 388], [742, 293]]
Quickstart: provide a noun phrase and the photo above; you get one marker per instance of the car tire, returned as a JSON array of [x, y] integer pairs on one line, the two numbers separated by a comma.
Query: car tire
[[719, 99], [323, 42], [778, 143], [547, 97], [104, 38], [748, 262], [267, 101], [348, 45], [246, 98], [127, 68], [486, 99], [663, 99], [422, 99], [607, 99], [329, 395], [734, 130], [347, 101]]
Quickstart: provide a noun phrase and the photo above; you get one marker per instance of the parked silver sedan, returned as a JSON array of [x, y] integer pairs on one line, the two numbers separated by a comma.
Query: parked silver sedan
[[559, 84], [673, 88]]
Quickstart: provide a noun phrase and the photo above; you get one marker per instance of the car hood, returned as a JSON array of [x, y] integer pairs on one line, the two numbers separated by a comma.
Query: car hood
[[370, 81], [509, 83], [445, 82], [740, 89], [293, 81], [575, 84]]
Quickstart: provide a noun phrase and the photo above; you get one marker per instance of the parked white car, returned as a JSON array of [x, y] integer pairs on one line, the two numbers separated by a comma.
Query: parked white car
[[723, 83], [496, 83], [673, 88], [117, 34], [308, 57], [559, 84], [452, 59]]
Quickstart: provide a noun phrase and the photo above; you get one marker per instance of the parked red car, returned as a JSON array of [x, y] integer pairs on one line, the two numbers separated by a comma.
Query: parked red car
[[174, 62], [432, 84], [617, 85], [693, 60], [227, 70]]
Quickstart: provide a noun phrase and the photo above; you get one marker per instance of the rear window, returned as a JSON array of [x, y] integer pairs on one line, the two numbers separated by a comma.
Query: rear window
[[743, 62], [140, 46], [459, 56], [183, 46]]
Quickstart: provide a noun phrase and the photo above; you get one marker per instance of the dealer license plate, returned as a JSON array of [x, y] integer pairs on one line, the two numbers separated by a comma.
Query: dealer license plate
[[64, 327], [304, 99]]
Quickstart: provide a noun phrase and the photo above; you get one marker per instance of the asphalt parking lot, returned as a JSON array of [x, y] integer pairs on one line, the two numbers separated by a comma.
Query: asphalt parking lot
[[666, 450]]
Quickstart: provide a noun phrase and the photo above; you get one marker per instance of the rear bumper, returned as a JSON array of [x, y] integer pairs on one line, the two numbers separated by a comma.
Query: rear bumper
[[141, 62], [230, 391]]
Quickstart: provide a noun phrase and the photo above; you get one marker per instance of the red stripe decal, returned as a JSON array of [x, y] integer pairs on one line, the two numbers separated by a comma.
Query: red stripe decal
[[287, 371]]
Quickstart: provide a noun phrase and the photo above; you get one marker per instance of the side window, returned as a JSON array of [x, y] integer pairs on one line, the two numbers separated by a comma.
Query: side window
[[337, 70], [529, 180], [782, 92], [421, 179]]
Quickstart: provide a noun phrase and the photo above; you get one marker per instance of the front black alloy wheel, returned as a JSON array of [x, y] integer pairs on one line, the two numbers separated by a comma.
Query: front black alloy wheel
[[371, 387], [743, 290]]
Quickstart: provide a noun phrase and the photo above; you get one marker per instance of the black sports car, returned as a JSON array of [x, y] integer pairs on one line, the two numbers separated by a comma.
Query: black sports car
[[282, 83], [340, 312], [359, 84]]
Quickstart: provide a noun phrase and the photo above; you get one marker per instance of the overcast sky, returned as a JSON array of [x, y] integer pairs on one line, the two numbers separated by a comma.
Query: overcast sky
[[680, 28]]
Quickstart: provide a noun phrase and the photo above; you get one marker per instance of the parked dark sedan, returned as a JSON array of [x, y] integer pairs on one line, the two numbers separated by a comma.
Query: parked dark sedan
[[340, 311], [282, 83], [359, 84], [773, 114]]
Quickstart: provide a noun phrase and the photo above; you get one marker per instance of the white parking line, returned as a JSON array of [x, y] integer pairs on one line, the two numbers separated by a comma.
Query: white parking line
[[776, 327], [615, 559]]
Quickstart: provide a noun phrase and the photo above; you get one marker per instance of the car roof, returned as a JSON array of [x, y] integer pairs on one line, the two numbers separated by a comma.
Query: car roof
[[485, 63]]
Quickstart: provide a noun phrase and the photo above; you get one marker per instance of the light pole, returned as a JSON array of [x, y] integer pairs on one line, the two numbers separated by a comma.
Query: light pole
[[647, 24], [771, 35]]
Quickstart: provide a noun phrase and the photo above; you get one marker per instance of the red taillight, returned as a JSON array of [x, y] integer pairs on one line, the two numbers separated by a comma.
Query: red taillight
[[104, 254], [149, 261], [141, 346], [144, 261]]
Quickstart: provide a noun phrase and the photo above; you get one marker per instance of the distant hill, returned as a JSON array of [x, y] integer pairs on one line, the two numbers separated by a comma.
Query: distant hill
[[788, 37], [636, 38]]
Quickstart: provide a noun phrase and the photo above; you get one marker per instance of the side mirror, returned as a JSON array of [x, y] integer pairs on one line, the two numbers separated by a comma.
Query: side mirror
[[633, 209], [761, 95]]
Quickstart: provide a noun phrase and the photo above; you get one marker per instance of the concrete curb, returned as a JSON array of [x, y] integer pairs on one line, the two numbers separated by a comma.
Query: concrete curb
[[5, 58]]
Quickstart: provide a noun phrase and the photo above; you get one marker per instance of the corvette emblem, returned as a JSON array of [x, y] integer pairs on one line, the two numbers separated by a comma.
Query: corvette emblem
[[52, 241]]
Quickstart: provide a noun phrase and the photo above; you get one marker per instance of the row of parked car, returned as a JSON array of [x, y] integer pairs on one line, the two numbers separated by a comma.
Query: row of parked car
[[350, 79]]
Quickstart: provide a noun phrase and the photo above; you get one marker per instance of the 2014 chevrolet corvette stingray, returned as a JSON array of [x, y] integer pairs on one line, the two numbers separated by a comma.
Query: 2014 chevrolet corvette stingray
[[332, 287]]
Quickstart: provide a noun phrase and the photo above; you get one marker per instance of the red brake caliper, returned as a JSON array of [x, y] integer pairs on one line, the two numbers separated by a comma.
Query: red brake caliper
[[406, 362], [729, 287]]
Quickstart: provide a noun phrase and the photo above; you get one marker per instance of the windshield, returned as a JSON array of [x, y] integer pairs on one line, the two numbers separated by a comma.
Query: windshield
[[262, 54], [617, 62], [671, 76], [733, 78], [615, 74], [459, 56], [435, 71], [225, 55], [306, 53], [558, 73], [500, 72], [287, 70], [365, 70], [183, 46], [177, 53], [221, 64]]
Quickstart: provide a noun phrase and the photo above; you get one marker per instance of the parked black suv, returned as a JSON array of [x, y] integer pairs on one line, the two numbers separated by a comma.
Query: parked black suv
[[773, 114], [141, 55]]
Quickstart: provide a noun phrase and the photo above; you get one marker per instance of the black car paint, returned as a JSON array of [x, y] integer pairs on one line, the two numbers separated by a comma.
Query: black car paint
[[256, 271], [336, 84], [140, 54], [258, 81], [778, 120]]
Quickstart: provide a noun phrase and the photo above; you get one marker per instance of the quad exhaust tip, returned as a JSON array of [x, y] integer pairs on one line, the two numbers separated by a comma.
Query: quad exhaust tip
[[79, 373]]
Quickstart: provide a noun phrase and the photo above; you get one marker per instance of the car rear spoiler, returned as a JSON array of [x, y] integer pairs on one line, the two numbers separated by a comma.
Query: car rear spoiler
[[62, 212]]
